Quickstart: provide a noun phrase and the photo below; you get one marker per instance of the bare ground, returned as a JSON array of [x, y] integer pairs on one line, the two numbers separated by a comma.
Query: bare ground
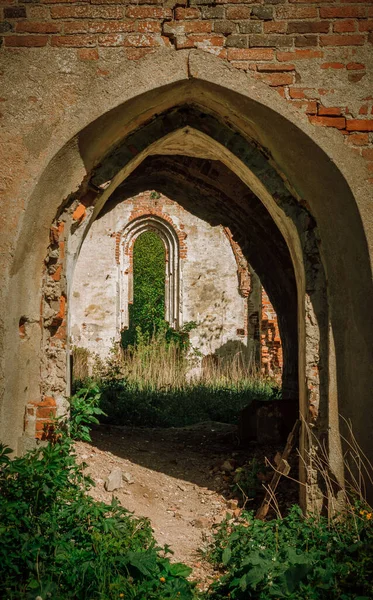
[[177, 480]]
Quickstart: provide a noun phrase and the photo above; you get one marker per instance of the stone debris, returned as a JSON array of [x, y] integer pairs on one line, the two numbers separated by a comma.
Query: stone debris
[[228, 465], [201, 523], [127, 477], [114, 480]]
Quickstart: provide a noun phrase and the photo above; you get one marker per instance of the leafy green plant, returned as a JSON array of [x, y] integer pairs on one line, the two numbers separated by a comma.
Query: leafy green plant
[[84, 410], [57, 542], [300, 558], [248, 479]]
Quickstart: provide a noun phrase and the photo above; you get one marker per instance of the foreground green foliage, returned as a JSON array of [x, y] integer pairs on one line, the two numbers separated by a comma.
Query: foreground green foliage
[[296, 558], [84, 412], [247, 481], [58, 543]]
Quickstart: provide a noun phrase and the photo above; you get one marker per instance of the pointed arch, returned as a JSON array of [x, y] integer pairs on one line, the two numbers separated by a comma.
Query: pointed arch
[[173, 291], [324, 185]]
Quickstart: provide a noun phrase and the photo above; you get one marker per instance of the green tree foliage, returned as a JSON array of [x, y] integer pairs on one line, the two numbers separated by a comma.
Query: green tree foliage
[[148, 309]]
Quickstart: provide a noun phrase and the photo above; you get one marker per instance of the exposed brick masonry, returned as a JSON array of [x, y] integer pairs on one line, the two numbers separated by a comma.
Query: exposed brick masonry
[[271, 359], [288, 44], [145, 205], [271, 348]]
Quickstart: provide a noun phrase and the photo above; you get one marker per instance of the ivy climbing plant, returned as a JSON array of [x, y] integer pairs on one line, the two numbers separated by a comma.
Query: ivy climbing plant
[[147, 312]]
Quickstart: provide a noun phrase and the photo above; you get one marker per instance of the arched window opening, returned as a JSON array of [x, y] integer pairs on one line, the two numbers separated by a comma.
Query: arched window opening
[[147, 309], [168, 237]]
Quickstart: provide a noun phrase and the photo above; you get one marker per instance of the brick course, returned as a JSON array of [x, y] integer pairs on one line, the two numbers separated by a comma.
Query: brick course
[[315, 38]]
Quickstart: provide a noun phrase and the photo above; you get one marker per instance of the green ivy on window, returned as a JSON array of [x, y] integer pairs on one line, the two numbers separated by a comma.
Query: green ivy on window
[[149, 279]]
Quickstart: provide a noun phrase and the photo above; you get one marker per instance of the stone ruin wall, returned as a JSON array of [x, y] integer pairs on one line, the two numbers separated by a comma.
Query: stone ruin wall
[[270, 341], [316, 55], [214, 293]]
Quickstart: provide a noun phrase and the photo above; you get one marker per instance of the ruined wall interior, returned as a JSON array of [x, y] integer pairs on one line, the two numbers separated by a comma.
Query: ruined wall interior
[[260, 112], [209, 293], [212, 293]]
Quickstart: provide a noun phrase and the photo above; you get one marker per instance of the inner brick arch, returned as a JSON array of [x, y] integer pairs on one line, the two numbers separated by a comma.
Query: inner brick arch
[[175, 249], [346, 240], [185, 125]]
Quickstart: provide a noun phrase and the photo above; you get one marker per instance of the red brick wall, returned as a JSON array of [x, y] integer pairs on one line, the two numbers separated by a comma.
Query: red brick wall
[[145, 205], [270, 342], [271, 349], [311, 52]]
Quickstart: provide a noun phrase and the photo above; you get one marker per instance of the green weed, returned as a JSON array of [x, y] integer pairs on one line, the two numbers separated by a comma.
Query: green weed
[[58, 543], [299, 558], [148, 385]]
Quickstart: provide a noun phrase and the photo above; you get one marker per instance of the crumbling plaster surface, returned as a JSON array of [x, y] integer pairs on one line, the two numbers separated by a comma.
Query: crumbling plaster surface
[[212, 192], [210, 293], [47, 167]]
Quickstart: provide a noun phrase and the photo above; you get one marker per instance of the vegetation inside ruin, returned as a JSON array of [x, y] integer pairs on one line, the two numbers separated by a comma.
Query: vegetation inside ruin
[[148, 385], [312, 558], [59, 543], [147, 381]]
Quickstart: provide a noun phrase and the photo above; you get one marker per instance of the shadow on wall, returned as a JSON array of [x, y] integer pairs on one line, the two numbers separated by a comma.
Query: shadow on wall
[[215, 326], [212, 325], [232, 352]]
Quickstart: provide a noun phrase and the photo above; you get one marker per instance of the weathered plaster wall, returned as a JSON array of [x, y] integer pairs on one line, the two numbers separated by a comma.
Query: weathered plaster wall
[[209, 292], [68, 98]]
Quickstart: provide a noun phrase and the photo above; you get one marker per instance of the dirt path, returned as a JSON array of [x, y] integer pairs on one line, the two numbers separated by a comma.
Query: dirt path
[[177, 478]]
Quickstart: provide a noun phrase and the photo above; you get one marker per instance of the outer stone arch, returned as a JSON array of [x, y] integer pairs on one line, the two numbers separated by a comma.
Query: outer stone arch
[[319, 182], [181, 132]]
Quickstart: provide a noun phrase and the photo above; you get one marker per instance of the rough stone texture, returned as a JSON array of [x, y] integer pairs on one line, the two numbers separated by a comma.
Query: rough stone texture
[[114, 480], [209, 295], [213, 293], [303, 100]]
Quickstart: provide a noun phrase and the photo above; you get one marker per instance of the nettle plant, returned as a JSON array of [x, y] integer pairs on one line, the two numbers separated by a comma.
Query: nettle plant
[[302, 558]]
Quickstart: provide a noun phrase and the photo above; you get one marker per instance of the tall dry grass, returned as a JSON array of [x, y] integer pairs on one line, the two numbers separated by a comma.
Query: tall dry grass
[[151, 385], [80, 359], [159, 364]]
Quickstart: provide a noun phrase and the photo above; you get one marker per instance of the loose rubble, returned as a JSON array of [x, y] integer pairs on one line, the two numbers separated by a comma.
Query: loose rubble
[[113, 481], [181, 479]]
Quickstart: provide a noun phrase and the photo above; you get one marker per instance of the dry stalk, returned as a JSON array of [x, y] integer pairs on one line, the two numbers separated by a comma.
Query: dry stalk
[[273, 500], [355, 485]]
